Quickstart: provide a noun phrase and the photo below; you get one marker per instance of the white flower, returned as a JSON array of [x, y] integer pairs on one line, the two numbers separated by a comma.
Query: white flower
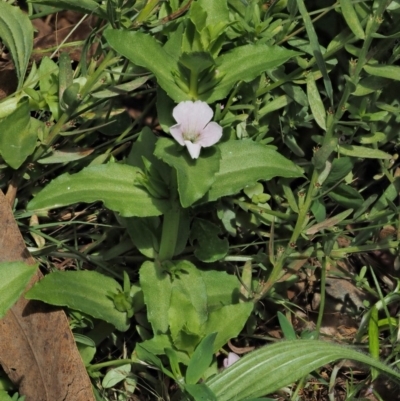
[[194, 129], [232, 358]]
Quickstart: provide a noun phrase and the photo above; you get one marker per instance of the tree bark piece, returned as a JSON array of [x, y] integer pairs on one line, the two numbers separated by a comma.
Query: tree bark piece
[[37, 348]]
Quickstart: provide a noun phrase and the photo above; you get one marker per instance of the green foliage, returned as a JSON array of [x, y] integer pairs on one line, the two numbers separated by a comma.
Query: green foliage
[[19, 135], [112, 183], [282, 363], [14, 277], [16, 32], [305, 174], [245, 162], [85, 291]]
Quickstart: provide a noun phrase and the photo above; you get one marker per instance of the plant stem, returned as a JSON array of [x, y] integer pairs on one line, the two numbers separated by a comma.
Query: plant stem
[[332, 119], [193, 89]]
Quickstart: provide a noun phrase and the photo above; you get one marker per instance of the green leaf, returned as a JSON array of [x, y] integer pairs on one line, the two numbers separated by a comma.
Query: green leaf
[[65, 155], [81, 6], [85, 291], [346, 196], [228, 322], [316, 105], [16, 32], [363, 152], [217, 11], [244, 63], [116, 375], [145, 355], [369, 85], [384, 71], [143, 50], [112, 183], [188, 307], [316, 48], [332, 221], [145, 234], [373, 336], [18, 135], [282, 363], [210, 247], [200, 392], [351, 18], [14, 277], [244, 163], [287, 328], [157, 289], [221, 288], [201, 359], [195, 177], [340, 168]]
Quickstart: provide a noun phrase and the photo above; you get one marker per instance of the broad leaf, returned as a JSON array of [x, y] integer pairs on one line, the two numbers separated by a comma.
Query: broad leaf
[[210, 247], [244, 163], [188, 308], [228, 322], [157, 289], [18, 135], [16, 32], [195, 177], [14, 277], [245, 63], [112, 183], [143, 50], [272, 367], [222, 288], [86, 291]]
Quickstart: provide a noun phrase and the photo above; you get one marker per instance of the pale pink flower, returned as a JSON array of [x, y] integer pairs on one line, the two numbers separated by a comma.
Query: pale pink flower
[[194, 128], [232, 358]]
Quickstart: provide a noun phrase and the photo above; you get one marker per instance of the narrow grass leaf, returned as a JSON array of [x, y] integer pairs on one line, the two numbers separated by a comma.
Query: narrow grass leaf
[[312, 36], [384, 71], [316, 104], [270, 368], [201, 359], [351, 18], [85, 291], [363, 152], [373, 336], [81, 6], [14, 277], [328, 222], [16, 32], [112, 183]]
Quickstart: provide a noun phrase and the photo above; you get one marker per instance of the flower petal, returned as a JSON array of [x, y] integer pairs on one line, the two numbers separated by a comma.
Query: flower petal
[[176, 132], [193, 148], [232, 358], [210, 135], [193, 116]]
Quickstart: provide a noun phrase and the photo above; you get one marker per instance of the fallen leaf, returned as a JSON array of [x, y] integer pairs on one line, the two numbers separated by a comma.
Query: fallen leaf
[[37, 348]]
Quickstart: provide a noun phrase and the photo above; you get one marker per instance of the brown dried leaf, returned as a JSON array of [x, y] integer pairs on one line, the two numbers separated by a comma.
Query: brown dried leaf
[[37, 348]]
